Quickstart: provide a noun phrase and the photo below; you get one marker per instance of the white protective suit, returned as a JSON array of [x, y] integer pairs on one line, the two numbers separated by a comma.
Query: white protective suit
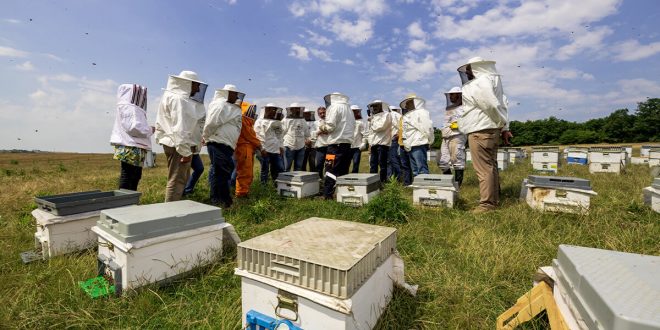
[[395, 114], [360, 134], [131, 128], [339, 123], [483, 98], [296, 131], [417, 124], [224, 119], [312, 127], [269, 132], [179, 115], [380, 125], [453, 141]]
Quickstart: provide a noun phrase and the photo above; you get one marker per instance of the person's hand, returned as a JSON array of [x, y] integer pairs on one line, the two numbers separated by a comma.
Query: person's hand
[[186, 159], [153, 129], [282, 152], [203, 142], [264, 153], [506, 135]]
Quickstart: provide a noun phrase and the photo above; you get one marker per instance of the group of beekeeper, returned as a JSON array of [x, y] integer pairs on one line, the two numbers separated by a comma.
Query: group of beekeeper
[[328, 140]]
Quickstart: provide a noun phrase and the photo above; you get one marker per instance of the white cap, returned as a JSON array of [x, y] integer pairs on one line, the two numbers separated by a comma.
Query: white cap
[[355, 107], [230, 88], [189, 75]]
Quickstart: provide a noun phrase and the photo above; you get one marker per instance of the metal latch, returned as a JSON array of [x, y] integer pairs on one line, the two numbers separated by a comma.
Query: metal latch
[[286, 301]]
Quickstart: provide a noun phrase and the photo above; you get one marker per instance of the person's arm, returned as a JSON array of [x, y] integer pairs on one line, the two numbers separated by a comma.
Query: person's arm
[[381, 123], [215, 117], [181, 133], [251, 136], [331, 121]]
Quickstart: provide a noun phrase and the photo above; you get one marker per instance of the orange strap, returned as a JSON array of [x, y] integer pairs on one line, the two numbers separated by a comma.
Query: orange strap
[[330, 157]]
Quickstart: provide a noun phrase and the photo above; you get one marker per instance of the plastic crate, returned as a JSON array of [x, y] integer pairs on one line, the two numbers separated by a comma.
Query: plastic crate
[[328, 256], [86, 201]]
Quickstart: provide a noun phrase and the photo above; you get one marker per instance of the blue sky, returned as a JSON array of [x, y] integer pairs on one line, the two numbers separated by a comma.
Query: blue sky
[[61, 61]]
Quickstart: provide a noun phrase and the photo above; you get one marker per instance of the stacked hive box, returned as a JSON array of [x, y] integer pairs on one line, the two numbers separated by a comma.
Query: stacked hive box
[[606, 159], [579, 156], [652, 195], [654, 156], [144, 244], [545, 159], [468, 155], [502, 159], [434, 190], [318, 274], [64, 221], [628, 154], [645, 150], [557, 194], [515, 154], [357, 189], [298, 184]]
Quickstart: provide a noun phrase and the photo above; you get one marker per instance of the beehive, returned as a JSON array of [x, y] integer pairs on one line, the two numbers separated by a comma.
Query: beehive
[[298, 184], [357, 189], [557, 194], [434, 190]]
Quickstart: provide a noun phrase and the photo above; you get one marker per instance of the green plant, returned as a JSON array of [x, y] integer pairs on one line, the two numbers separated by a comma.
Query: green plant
[[390, 204]]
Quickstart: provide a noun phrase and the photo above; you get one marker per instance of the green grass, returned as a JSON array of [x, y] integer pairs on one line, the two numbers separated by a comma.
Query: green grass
[[469, 268]]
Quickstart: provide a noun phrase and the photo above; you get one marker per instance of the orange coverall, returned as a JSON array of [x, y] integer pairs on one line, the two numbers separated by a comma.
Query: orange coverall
[[244, 154]]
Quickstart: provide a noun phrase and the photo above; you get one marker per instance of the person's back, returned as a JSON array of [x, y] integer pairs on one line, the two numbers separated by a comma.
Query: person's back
[[417, 133], [339, 126]]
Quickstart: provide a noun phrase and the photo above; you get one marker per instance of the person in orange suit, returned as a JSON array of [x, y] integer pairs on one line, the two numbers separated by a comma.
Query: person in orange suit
[[245, 148]]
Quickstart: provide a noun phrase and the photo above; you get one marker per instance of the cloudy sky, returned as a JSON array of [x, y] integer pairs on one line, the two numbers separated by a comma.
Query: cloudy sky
[[61, 61]]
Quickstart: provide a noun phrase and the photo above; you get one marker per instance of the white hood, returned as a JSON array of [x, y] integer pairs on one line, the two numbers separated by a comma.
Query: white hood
[[484, 106], [131, 127]]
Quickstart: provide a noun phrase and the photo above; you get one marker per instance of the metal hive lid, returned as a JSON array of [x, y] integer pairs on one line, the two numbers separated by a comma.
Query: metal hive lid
[[333, 243], [138, 222], [611, 289], [434, 180], [559, 182], [358, 179], [298, 176], [551, 149]]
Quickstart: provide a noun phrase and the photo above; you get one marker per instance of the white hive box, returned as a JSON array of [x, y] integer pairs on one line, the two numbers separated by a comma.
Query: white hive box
[[654, 156], [557, 194], [144, 244], [431, 155], [513, 154], [644, 151], [436, 190], [57, 235], [605, 167], [357, 189], [606, 154], [578, 156], [502, 160], [628, 155], [468, 155], [639, 160], [545, 154], [652, 195], [609, 289], [339, 274], [545, 167], [298, 184]]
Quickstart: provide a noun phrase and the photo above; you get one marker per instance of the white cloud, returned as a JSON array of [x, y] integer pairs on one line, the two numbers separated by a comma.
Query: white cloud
[[584, 40], [412, 69], [419, 42], [321, 54], [25, 66], [348, 62], [12, 52], [12, 20], [53, 57], [415, 30], [352, 33], [231, 2], [318, 39], [417, 45], [328, 8], [632, 50], [299, 52]]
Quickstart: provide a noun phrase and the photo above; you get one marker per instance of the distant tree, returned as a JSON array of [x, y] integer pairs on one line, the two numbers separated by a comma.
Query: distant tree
[[647, 121]]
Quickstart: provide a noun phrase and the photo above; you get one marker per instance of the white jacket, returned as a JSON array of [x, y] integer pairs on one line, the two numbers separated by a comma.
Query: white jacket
[[483, 100], [339, 123], [417, 126], [312, 127], [359, 135], [131, 128], [178, 117], [223, 121], [270, 134], [451, 115], [296, 132], [380, 129], [395, 116]]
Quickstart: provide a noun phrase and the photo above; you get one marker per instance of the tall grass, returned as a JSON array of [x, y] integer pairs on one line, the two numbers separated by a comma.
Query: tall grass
[[469, 268]]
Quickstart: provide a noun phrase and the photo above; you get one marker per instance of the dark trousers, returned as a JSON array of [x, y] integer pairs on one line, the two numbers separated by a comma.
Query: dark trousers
[[129, 176], [271, 162], [337, 161], [222, 165], [320, 160], [357, 156], [406, 168], [394, 161], [378, 158], [198, 168], [309, 160]]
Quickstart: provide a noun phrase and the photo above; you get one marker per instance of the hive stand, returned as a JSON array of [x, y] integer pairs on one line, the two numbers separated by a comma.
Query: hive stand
[[531, 304]]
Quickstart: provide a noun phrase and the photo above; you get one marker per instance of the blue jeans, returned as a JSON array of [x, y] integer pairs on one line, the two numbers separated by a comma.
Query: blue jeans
[[357, 156], [222, 165], [232, 178], [295, 158], [394, 160], [418, 161], [379, 156], [198, 168], [273, 163], [406, 170]]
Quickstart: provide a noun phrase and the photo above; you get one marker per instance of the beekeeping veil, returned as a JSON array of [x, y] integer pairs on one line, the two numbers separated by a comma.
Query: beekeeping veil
[[454, 98]]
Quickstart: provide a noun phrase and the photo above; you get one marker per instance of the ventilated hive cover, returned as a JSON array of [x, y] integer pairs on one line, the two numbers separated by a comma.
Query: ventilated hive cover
[[434, 180], [358, 179], [134, 223], [559, 182], [86, 201], [610, 289], [298, 176], [329, 256]]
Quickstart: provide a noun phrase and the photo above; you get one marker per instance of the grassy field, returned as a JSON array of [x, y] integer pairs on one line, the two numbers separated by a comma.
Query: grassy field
[[469, 268]]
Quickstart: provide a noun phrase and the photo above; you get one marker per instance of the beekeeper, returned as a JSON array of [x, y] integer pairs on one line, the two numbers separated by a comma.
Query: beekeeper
[[270, 133], [485, 118], [417, 135], [179, 114], [452, 150], [246, 146], [338, 128], [131, 134], [221, 132], [394, 160], [309, 161], [295, 135], [320, 144], [359, 138], [380, 137]]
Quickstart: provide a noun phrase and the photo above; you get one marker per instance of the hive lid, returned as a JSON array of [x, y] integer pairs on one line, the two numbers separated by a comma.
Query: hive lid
[[434, 180], [298, 176], [86, 201], [656, 183], [611, 289], [559, 182], [606, 149], [362, 179], [545, 149], [134, 223]]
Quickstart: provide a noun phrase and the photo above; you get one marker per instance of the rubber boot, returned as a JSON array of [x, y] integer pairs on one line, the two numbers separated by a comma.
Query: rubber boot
[[458, 176]]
